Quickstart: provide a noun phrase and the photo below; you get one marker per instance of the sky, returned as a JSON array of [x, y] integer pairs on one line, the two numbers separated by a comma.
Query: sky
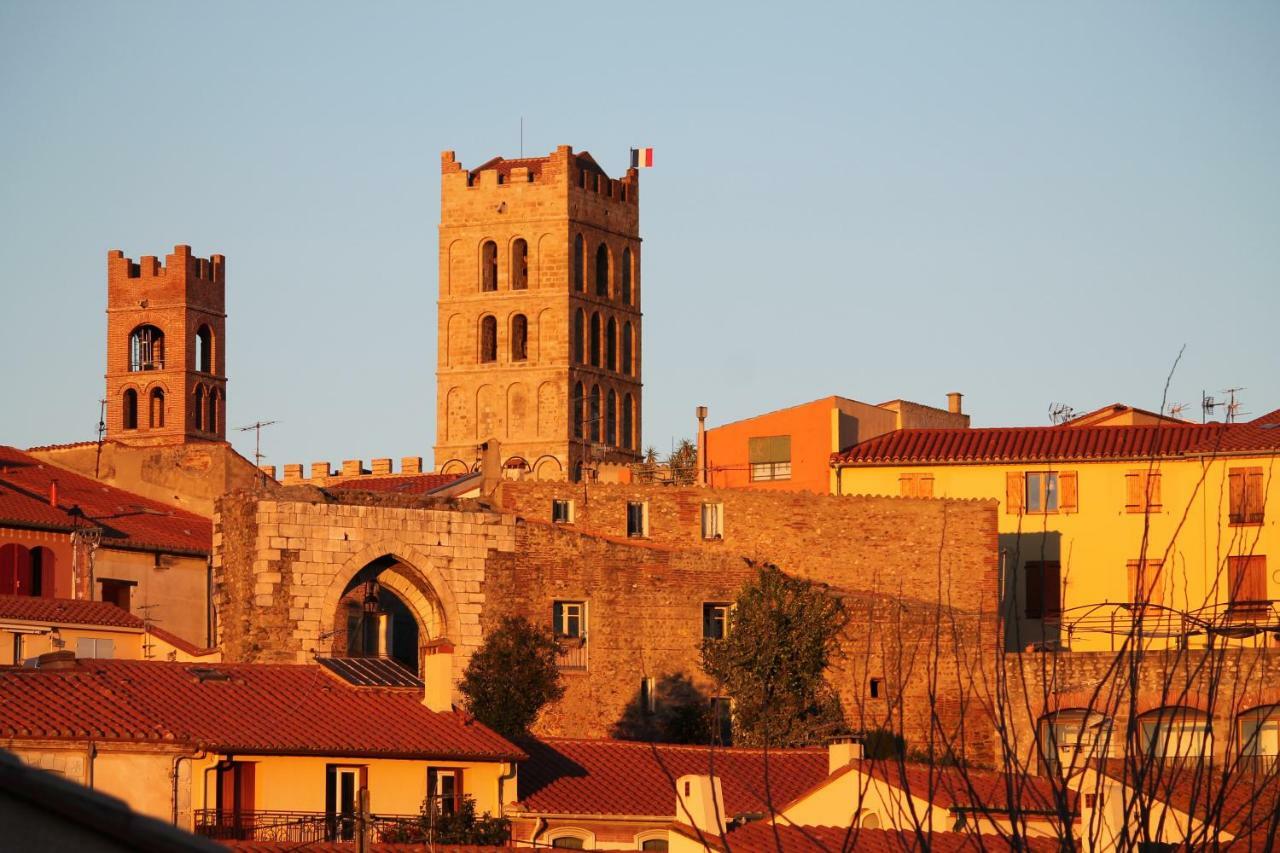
[[1030, 203]]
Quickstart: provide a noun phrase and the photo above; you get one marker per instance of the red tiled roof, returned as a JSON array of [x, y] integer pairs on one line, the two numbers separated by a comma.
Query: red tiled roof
[[1044, 444], [126, 519], [613, 777], [66, 611], [412, 484], [179, 643], [950, 787], [291, 709], [761, 837]]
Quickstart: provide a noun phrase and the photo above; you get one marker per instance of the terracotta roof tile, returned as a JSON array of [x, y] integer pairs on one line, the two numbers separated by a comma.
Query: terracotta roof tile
[[126, 519], [569, 776], [295, 709], [1044, 444], [760, 837], [412, 484], [179, 643], [66, 611]]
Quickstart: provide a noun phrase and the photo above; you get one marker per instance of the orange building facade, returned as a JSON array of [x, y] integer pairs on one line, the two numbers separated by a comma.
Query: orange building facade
[[790, 449]]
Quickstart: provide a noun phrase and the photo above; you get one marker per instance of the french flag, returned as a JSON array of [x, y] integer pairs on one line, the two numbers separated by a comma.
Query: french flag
[[641, 158]]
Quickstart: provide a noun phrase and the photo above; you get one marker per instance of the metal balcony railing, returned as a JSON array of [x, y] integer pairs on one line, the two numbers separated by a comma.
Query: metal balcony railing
[[297, 827], [572, 654]]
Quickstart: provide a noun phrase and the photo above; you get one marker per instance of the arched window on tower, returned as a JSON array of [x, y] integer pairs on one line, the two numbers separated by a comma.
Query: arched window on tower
[[489, 266], [579, 334], [579, 262], [199, 408], [488, 338], [146, 348], [578, 402], [129, 409], [611, 420], [626, 276], [626, 349], [628, 422], [215, 410], [593, 415], [595, 340], [157, 408], [519, 338], [602, 270], [520, 265], [204, 350], [611, 344]]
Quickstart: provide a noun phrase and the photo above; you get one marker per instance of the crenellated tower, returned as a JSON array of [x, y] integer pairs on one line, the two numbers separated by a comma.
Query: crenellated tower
[[166, 361], [539, 314]]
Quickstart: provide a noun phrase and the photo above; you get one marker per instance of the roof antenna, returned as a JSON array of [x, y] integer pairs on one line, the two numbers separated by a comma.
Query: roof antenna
[[1060, 413], [102, 431], [257, 444], [1233, 405]]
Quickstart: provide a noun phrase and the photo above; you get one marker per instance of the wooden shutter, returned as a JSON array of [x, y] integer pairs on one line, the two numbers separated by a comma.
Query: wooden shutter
[[1068, 492], [246, 790], [1145, 585], [1253, 503], [1133, 491], [1035, 591], [1044, 589], [1154, 502], [907, 485], [924, 486], [1247, 577], [1142, 491], [1235, 495], [1015, 489]]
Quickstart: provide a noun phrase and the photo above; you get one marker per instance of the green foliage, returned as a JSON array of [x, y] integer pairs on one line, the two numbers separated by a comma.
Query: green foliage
[[460, 827], [680, 714], [782, 636], [883, 744], [512, 676]]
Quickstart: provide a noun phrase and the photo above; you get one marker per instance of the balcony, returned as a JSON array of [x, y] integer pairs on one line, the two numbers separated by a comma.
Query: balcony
[[572, 656], [300, 827]]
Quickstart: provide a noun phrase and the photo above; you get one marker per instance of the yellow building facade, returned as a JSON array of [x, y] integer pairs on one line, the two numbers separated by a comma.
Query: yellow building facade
[[1168, 526]]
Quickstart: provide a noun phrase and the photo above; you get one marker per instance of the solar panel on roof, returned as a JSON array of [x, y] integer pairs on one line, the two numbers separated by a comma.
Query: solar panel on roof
[[371, 672]]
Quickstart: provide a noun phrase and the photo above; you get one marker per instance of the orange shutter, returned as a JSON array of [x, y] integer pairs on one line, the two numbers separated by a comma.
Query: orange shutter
[[1133, 491], [1153, 491], [1253, 495], [924, 486], [1155, 583], [905, 486], [1014, 491], [1068, 492], [1248, 578], [1235, 495], [1135, 581]]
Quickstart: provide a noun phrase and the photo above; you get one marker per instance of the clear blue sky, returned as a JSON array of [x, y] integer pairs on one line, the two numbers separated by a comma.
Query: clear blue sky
[[1025, 202]]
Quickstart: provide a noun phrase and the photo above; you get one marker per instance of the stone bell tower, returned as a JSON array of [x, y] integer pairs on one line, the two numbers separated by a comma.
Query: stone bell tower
[[539, 314], [166, 360]]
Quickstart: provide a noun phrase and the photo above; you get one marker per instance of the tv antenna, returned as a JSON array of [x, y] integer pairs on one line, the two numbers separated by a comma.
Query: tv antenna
[[1233, 405], [1176, 410], [257, 442], [1060, 413]]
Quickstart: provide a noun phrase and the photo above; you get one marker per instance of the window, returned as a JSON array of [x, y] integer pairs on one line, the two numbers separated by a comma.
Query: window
[[628, 420], [593, 414], [611, 344], [1174, 733], [1142, 491], [648, 701], [26, 571], [659, 845], [1071, 737], [626, 349], [713, 521], [715, 620], [721, 721], [204, 350], [444, 789], [116, 592], [1145, 583], [1247, 579], [199, 408], [156, 399], [562, 512], [1040, 492], [579, 261], [1044, 589], [577, 403], [129, 409], [146, 349], [579, 323], [215, 404], [874, 688], [602, 270], [568, 842], [234, 799], [1245, 486], [488, 338], [626, 276], [489, 266], [916, 485], [611, 420], [770, 457], [595, 340], [637, 518], [519, 338], [570, 618], [342, 786], [91, 647], [1260, 736], [520, 265]]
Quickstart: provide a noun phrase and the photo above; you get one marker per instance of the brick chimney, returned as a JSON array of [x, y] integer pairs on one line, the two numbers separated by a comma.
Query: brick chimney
[[953, 403], [438, 675]]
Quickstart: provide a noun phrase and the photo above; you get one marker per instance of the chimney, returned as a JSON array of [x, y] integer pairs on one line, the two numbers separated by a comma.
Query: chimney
[[53, 493], [438, 675], [702, 446], [64, 659], [700, 804], [490, 466], [841, 751], [953, 403], [410, 464]]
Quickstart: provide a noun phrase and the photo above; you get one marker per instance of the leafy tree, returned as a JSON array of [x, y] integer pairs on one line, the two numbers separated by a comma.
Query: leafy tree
[[512, 676], [783, 633], [463, 826], [680, 714]]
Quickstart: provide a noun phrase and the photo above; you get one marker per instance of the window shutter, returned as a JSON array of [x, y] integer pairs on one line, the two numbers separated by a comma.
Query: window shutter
[[1035, 590], [1153, 491], [1014, 490], [1253, 495], [330, 792], [1133, 491], [1068, 498], [1235, 490], [924, 486], [1052, 589], [1154, 582], [1135, 581], [1248, 578], [907, 485], [247, 794]]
